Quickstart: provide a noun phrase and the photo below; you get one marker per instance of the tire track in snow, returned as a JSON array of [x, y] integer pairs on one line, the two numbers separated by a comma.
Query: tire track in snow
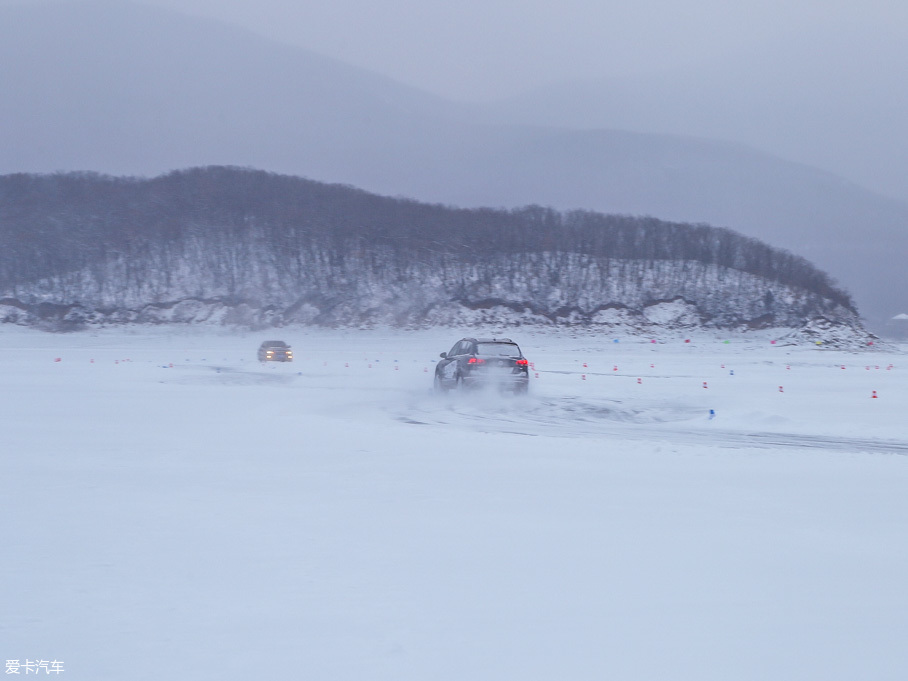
[[570, 418]]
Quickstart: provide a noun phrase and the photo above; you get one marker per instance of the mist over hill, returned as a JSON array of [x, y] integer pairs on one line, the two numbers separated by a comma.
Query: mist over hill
[[127, 89], [229, 245], [830, 100]]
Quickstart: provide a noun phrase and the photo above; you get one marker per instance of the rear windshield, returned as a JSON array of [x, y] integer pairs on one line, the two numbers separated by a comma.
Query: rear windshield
[[497, 349]]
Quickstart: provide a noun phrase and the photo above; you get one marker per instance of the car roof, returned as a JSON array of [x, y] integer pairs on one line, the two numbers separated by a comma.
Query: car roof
[[489, 340]]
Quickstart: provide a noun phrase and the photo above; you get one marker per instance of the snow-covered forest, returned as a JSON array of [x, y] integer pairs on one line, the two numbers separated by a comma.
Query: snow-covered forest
[[230, 245]]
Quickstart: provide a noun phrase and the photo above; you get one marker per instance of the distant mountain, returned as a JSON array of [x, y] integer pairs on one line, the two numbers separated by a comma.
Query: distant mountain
[[230, 245], [834, 100], [127, 89]]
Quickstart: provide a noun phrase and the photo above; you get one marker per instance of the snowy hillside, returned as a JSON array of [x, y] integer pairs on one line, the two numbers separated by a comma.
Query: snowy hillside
[[224, 245]]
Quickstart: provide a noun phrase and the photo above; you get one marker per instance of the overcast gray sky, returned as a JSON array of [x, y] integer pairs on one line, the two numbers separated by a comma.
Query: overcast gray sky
[[815, 81], [479, 49]]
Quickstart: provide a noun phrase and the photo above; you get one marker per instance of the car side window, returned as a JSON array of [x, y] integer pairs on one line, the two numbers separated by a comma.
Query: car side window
[[454, 350]]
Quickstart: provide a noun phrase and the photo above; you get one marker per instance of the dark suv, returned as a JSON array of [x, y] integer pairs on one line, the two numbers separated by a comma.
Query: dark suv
[[495, 362], [275, 351]]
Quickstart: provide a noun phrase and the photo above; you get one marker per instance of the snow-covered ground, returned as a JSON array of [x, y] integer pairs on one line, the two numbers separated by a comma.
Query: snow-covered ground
[[171, 508]]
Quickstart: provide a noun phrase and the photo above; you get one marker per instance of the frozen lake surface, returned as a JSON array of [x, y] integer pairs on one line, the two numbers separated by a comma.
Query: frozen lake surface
[[172, 508]]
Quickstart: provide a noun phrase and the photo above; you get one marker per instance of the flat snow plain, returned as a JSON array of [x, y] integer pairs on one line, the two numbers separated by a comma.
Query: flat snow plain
[[173, 509]]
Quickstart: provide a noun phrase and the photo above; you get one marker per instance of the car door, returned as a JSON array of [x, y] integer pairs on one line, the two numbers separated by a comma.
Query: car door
[[450, 362], [464, 352], [447, 365]]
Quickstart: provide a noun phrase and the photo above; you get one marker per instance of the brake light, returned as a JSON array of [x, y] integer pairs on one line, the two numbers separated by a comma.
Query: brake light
[[522, 362], [476, 360]]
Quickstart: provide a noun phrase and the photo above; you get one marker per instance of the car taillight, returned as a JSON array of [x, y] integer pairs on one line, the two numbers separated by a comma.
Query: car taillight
[[522, 362], [476, 360]]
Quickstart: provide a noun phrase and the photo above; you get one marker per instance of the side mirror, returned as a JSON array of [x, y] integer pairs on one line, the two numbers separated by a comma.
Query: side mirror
[[443, 355]]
